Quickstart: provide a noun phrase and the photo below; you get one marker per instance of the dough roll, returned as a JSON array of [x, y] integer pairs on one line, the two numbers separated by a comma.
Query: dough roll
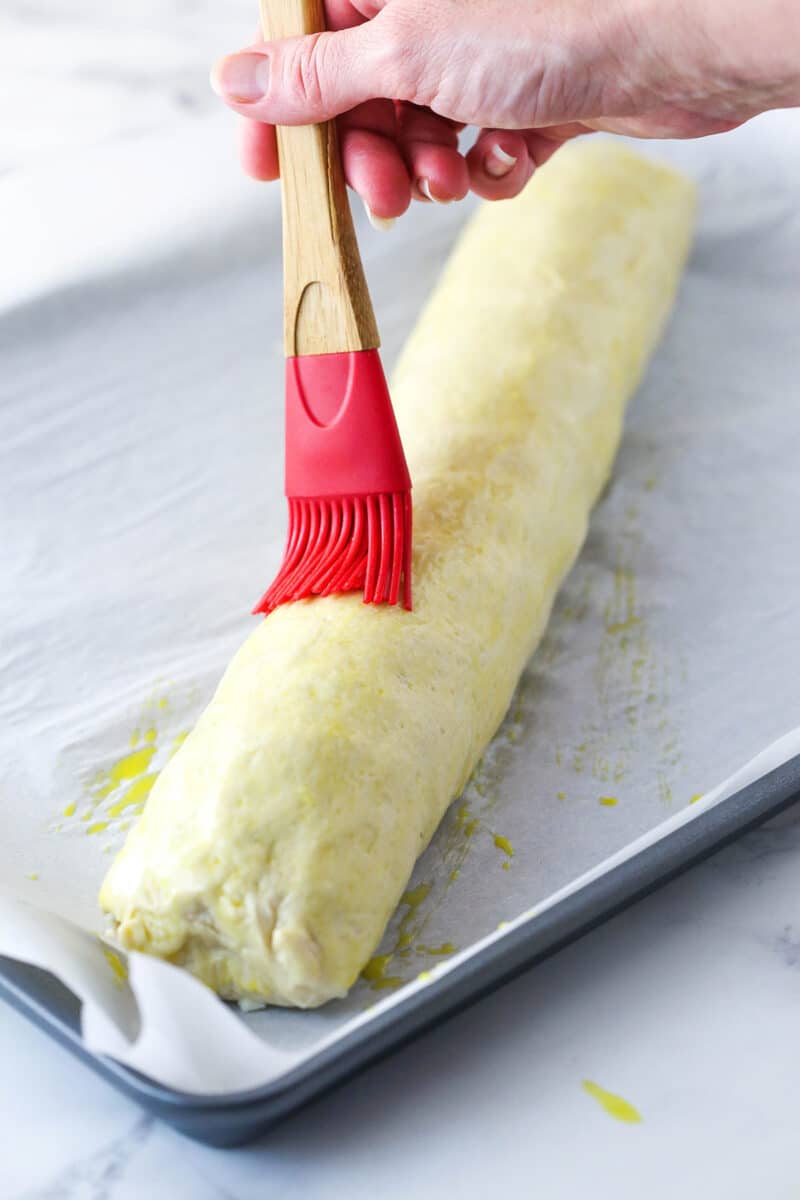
[[279, 839]]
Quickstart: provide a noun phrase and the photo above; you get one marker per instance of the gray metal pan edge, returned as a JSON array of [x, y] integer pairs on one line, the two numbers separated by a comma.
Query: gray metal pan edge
[[236, 1118]]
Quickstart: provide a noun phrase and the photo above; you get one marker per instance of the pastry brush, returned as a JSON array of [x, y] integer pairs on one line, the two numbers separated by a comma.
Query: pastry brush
[[347, 482]]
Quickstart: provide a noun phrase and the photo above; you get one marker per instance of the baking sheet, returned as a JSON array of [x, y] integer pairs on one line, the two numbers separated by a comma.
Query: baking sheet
[[139, 470]]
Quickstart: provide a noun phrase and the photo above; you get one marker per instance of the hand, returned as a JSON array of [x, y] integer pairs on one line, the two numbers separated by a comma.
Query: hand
[[405, 76]]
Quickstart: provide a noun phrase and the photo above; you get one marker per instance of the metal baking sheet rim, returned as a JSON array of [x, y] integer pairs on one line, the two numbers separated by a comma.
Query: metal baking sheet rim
[[238, 1117]]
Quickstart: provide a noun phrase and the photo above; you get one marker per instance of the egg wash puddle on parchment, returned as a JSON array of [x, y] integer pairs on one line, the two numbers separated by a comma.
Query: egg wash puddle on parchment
[[117, 965], [115, 795]]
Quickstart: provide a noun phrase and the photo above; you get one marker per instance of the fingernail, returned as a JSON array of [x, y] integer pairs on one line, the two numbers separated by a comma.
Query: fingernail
[[382, 224], [425, 187], [498, 162], [242, 78]]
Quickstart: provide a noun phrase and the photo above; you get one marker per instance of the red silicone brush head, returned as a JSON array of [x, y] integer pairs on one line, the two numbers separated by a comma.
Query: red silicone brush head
[[347, 484]]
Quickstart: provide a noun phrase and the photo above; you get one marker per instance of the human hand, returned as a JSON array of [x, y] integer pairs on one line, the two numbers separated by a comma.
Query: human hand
[[405, 76]]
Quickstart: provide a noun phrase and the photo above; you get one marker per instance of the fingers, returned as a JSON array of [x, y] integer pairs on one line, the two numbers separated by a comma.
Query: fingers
[[258, 150], [502, 161], [373, 164], [374, 168], [499, 164], [388, 158], [430, 147]]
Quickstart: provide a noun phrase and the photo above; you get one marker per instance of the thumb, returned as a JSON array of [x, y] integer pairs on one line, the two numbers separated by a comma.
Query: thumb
[[304, 80]]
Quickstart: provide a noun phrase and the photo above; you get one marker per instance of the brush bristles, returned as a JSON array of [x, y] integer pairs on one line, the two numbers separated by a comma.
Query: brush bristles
[[346, 544]]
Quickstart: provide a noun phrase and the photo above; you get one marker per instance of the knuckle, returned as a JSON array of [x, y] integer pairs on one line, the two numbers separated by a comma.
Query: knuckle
[[303, 70], [424, 60], [399, 45]]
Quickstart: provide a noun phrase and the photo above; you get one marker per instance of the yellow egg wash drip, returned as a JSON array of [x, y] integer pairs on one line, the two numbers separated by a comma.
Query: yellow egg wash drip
[[117, 793], [615, 1106], [119, 968], [375, 973], [469, 822], [405, 942], [130, 767], [135, 795]]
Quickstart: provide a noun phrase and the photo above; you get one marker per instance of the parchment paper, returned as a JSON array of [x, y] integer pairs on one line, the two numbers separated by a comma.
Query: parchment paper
[[140, 485]]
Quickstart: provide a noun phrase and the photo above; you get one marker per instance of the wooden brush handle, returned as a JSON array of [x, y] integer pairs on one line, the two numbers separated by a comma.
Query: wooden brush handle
[[327, 307]]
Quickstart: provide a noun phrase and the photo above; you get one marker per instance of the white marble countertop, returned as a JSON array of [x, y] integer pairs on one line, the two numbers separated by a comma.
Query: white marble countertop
[[685, 1006]]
